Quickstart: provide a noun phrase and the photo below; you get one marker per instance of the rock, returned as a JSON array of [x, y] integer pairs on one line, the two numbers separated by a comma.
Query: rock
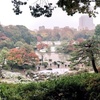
[[34, 76]]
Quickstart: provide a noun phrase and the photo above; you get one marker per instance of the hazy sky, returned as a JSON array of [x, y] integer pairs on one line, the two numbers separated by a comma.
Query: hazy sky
[[59, 17]]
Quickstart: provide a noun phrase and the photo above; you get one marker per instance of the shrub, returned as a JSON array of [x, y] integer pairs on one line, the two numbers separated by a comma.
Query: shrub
[[6, 67], [78, 87]]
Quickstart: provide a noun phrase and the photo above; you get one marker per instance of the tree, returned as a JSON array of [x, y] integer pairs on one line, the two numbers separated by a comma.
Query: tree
[[16, 56], [32, 58], [85, 52], [97, 31], [80, 6], [6, 43], [28, 48], [42, 7], [66, 47], [19, 44], [21, 56], [3, 55]]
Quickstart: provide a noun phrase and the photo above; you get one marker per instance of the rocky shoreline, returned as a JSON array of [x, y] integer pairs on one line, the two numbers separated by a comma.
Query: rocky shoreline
[[37, 76]]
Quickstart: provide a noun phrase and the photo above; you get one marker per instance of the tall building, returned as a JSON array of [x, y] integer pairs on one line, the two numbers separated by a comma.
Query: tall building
[[86, 22], [41, 28]]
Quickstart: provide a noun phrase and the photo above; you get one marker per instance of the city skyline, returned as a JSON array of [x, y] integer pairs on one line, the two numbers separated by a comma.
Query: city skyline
[[85, 22], [59, 18]]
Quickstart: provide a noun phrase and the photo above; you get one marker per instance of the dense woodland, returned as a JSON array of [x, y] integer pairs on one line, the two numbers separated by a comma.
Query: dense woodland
[[13, 36]]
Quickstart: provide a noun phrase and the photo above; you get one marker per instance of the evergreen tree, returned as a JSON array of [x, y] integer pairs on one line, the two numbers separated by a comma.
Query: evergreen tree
[[86, 52], [97, 32]]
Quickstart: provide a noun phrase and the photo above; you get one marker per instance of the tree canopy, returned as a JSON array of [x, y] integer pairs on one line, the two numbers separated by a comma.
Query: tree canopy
[[97, 30], [43, 7], [87, 52]]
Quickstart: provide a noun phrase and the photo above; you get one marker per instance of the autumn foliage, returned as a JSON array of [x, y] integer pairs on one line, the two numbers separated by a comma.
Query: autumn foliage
[[20, 56], [42, 46]]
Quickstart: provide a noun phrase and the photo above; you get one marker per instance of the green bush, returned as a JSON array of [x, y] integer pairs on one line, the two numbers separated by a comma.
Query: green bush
[[78, 87], [6, 67]]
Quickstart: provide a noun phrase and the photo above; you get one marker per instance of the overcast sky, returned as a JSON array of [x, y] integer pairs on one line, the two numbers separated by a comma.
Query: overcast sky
[[59, 17]]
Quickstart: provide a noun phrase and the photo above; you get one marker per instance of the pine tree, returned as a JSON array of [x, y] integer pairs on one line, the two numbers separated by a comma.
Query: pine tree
[[87, 52]]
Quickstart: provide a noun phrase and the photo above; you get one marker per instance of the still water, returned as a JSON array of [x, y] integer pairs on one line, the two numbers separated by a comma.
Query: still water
[[53, 56]]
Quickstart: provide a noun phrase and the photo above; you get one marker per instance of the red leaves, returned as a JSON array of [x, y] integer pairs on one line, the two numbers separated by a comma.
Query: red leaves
[[42, 46], [20, 56], [16, 55], [32, 55]]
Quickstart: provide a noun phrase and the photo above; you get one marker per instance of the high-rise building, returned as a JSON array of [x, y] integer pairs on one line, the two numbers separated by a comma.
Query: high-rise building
[[41, 28], [86, 22]]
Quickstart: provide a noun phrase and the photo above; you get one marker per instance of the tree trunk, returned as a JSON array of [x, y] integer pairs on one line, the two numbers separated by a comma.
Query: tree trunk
[[93, 63], [94, 66]]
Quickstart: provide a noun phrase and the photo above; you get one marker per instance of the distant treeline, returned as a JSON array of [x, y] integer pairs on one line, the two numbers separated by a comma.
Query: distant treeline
[[11, 36]]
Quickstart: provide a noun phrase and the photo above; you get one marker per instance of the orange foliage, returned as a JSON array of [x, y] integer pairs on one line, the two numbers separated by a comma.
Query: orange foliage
[[33, 57], [42, 46], [20, 56], [16, 55]]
